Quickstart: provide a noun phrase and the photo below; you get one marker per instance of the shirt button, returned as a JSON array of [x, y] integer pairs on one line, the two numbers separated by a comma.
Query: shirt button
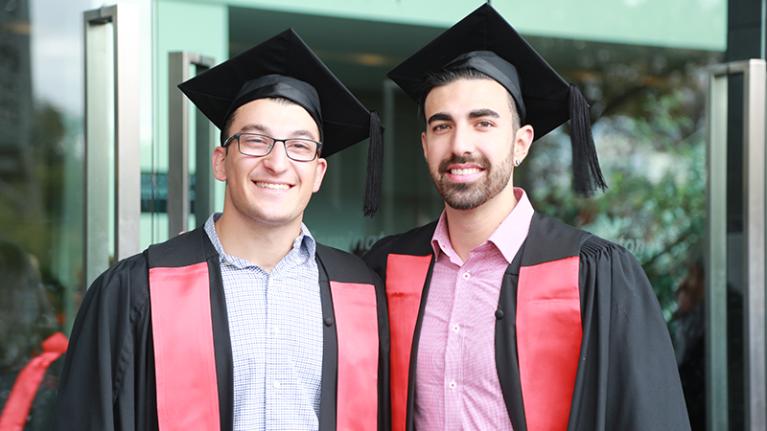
[[275, 331], [452, 384], [456, 328], [276, 384], [466, 276]]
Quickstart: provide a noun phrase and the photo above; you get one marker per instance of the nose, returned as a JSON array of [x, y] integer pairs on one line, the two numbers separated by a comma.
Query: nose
[[277, 160], [461, 140]]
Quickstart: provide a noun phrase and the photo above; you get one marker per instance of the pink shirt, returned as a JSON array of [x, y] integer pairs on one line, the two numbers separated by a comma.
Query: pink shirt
[[457, 383]]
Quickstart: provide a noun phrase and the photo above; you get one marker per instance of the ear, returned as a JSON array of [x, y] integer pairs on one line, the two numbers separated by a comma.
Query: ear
[[319, 173], [523, 139], [423, 143], [218, 159]]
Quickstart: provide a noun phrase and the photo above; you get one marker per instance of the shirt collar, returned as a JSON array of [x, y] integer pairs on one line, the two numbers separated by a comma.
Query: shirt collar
[[508, 237], [512, 232], [440, 241], [304, 244]]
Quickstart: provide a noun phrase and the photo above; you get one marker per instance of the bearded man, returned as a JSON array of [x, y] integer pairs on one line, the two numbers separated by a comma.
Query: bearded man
[[500, 317]]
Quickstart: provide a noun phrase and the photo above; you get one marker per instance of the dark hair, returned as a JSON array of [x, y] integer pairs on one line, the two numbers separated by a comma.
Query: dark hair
[[444, 77], [281, 100]]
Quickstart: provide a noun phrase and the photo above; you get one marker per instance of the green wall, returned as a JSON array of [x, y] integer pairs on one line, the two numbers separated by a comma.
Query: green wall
[[695, 24]]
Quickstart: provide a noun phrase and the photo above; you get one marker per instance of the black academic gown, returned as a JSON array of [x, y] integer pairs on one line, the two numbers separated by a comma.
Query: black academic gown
[[108, 381], [627, 377]]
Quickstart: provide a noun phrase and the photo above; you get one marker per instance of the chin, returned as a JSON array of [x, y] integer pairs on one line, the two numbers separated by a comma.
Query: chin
[[464, 205], [275, 214], [273, 219]]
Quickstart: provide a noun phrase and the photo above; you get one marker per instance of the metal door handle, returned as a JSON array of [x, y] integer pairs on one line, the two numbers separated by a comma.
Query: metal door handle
[[112, 160], [754, 77], [179, 65]]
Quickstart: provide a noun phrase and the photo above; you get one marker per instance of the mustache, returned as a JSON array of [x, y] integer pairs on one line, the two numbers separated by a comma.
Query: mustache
[[481, 161]]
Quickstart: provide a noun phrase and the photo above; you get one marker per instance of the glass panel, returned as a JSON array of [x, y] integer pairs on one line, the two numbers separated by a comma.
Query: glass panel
[[649, 128], [41, 183]]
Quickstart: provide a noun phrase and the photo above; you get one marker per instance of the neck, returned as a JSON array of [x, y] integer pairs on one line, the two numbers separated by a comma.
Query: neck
[[471, 228], [255, 242]]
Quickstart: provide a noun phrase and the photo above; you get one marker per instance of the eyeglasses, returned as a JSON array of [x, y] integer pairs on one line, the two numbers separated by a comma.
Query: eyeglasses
[[253, 144]]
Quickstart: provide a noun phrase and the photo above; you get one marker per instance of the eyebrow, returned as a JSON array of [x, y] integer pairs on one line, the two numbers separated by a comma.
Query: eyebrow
[[258, 128], [477, 113], [483, 113], [255, 128], [439, 116], [302, 133]]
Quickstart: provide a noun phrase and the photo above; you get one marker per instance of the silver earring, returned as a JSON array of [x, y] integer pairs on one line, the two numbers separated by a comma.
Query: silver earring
[[517, 162]]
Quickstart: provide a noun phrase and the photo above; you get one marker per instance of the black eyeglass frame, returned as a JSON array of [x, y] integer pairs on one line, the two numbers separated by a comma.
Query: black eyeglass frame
[[284, 141]]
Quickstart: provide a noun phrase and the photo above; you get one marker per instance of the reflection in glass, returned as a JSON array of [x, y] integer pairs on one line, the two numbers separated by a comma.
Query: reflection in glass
[[41, 113]]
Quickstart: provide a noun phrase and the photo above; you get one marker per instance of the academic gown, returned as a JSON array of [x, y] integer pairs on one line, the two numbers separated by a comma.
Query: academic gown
[[108, 381], [626, 376]]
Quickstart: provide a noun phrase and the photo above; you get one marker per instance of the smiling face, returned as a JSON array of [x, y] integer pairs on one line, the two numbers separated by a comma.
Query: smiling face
[[471, 142], [271, 190]]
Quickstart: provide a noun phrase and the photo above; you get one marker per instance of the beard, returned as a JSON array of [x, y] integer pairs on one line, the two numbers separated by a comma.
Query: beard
[[466, 196]]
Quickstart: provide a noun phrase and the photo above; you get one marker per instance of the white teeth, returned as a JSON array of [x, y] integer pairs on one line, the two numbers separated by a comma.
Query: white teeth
[[273, 186], [468, 171]]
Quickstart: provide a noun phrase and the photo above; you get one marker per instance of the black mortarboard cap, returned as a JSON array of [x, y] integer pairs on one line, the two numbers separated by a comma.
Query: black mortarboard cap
[[485, 42], [284, 66]]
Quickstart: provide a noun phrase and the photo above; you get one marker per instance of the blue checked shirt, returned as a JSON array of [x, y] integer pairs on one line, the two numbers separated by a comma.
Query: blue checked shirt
[[275, 325]]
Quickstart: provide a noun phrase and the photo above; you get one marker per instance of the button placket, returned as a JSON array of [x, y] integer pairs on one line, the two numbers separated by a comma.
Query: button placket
[[272, 348], [454, 349]]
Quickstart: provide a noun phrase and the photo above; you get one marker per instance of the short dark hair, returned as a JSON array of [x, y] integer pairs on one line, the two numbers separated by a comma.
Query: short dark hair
[[444, 77]]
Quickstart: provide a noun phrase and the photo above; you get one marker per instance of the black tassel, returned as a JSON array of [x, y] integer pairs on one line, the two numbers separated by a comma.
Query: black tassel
[[375, 166], [587, 176]]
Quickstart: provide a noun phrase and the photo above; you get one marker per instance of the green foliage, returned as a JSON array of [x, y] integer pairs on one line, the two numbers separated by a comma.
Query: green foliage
[[652, 152]]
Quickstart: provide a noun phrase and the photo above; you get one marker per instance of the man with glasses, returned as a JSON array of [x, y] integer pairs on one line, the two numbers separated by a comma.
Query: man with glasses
[[246, 323]]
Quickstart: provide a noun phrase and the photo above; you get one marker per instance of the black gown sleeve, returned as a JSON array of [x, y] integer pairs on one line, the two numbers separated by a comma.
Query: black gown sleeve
[[97, 388], [628, 379]]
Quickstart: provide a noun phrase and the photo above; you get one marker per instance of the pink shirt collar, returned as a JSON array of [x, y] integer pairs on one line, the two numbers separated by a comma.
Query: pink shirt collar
[[508, 237]]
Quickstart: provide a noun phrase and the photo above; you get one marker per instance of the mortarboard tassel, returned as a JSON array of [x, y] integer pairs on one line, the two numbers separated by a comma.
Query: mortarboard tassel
[[587, 176], [375, 166]]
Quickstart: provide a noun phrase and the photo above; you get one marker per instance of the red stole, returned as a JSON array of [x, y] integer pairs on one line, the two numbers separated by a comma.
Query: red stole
[[19, 402], [548, 327], [185, 362]]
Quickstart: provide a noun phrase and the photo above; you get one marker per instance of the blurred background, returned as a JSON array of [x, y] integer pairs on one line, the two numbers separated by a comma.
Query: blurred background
[[100, 156]]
